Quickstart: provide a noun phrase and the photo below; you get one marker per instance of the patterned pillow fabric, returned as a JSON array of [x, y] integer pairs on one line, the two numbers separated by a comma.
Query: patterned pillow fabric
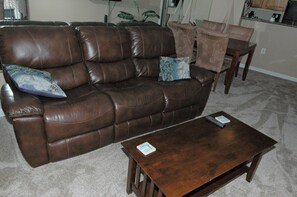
[[34, 81], [172, 69]]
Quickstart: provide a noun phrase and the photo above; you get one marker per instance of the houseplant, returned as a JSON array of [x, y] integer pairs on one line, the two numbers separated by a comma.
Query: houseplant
[[141, 17]]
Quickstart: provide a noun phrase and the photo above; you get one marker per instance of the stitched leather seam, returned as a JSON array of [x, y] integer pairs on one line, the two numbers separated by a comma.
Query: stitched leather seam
[[37, 45], [99, 131], [67, 144], [151, 122], [137, 106], [126, 70], [87, 120], [99, 56], [128, 123], [147, 103], [73, 75], [162, 42], [122, 51], [68, 44], [142, 40], [97, 46]]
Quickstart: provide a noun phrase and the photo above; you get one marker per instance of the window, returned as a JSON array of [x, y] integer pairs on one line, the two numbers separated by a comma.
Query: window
[[15, 10]]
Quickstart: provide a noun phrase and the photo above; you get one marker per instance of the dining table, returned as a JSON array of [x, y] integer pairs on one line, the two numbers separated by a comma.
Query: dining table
[[237, 49]]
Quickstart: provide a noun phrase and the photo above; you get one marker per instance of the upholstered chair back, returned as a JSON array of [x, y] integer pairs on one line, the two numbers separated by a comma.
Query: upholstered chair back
[[184, 36], [107, 52], [239, 32], [213, 26], [211, 49], [146, 56], [52, 48]]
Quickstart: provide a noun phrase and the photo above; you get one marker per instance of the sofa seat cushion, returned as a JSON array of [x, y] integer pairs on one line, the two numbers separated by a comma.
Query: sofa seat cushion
[[180, 94], [85, 109], [134, 98]]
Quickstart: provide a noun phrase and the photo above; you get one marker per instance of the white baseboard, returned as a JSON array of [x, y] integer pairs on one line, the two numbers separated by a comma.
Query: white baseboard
[[268, 72]]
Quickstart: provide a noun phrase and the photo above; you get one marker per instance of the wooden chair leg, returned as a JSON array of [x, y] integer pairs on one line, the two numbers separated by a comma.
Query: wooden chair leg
[[216, 79], [237, 68]]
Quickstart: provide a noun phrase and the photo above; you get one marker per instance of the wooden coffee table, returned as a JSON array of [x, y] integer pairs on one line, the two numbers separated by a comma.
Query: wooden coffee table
[[194, 158]]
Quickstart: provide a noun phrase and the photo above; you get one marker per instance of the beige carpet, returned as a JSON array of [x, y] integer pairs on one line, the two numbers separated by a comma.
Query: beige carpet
[[266, 103]]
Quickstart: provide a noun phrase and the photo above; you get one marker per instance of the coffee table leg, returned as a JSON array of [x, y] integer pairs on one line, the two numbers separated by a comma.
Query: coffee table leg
[[131, 174], [253, 167]]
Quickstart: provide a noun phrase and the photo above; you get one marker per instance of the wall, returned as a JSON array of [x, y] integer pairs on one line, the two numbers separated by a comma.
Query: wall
[[84, 10], [280, 58], [66, 10]]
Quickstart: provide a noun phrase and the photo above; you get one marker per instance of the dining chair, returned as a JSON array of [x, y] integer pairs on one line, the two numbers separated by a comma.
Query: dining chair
[[211, 50], [214, 26], [184, 37], [239, 33]]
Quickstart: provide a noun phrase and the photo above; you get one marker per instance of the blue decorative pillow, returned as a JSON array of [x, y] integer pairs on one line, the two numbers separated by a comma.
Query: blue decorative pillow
[[34, 81], [172, 69]]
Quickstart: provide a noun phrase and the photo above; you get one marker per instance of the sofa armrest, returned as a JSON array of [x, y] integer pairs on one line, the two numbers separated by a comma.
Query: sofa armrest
[[19, 104], [202, 75]]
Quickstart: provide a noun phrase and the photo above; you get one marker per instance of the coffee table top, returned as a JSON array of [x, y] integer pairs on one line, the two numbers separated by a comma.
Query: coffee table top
[[191, 154]]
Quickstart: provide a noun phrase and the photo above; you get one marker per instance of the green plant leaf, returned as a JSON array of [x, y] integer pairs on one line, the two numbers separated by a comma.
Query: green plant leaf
[[150, 13], [126, 16]]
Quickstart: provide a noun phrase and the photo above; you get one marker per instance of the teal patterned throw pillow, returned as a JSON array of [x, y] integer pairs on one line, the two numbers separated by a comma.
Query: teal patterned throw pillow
[[172, 69], [34, 81]]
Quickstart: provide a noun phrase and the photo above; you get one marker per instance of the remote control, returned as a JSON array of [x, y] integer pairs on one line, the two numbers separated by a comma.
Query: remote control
[[213, 120]]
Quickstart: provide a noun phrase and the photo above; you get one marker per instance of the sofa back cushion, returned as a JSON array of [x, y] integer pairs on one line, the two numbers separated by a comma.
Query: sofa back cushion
[[107, 52], [148, 44], [52, 48]]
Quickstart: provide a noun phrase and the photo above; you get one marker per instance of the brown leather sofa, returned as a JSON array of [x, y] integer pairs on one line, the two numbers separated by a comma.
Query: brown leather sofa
[[110, 76]]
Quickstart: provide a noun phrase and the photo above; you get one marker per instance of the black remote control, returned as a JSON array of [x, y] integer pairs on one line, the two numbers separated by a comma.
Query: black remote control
[[213, 120]]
